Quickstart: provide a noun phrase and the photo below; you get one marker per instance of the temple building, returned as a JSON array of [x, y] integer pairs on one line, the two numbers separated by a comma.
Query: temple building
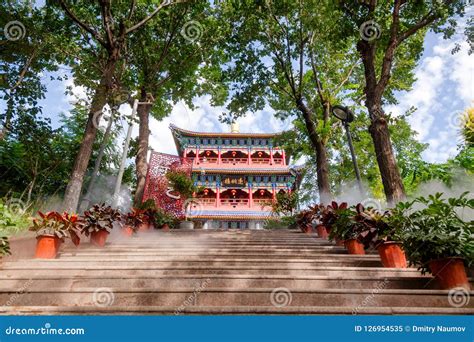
[[239, 175]]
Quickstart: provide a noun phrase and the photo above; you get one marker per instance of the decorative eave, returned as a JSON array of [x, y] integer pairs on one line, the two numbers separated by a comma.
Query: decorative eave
[[233, 215], [222, 134], [178, 133], [243, 171]]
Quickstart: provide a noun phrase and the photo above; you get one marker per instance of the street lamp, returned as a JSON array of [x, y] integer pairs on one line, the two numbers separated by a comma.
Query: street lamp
[[346, 116]]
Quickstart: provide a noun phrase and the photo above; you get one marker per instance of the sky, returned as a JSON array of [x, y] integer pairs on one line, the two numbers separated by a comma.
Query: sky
[[444, 88]]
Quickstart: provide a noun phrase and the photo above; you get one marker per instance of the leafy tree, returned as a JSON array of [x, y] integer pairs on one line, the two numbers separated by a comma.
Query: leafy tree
[[281, 56], [168, 57], [28, 49], [390, 42], [105, 27]]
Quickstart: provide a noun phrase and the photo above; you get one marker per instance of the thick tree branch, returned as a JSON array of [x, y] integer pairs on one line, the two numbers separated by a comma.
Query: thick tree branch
[[80, 23], [164, 4]]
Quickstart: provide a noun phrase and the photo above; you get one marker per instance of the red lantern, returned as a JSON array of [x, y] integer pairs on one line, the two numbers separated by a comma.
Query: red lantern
[[233, 192], [206, 191], [208, 153], [260, 154], [234, 153], [262, 192]]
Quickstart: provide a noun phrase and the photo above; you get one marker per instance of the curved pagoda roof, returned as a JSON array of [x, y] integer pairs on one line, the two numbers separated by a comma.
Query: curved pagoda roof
[[182, 131]]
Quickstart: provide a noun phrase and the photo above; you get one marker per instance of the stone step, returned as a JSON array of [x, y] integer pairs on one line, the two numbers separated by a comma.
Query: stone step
[[226, 310], [123, 257], [232, 253], [220, 281], [209, 296], [172, 263], [126, 271]]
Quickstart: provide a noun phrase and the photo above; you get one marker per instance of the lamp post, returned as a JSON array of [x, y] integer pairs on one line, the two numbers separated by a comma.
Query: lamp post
[[346, 116]]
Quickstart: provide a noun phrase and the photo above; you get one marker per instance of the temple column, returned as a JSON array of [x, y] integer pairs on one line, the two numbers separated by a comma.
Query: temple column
[[283, 157], [249, 158], [271, 156], [250, 197], [273, 193], [218, 197], [197, 155]]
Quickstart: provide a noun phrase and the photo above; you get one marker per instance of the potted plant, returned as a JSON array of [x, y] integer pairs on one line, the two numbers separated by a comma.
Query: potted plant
[[321, 229], [184, 185], [164, 220], [133, 220], [4, 246], [98, 221], [377, 231], [51, 230], [345, 227], [438, 239], [149, 211], [304, 220]]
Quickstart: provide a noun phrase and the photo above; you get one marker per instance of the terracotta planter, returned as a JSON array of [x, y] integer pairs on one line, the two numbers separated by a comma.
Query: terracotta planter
[[322, 232], [165, 228], [308, 229], [354, 247], [99, 238], [143, 227], [128, 231], [450, 273], [339, 242], [392, 255], [47, 246]]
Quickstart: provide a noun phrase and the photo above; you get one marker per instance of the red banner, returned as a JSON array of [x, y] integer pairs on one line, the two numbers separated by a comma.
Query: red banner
[[157, 186]]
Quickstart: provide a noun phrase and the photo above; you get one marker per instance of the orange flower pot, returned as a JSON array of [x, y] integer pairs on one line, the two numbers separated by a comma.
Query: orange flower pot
[[165, 228], [450, 273], [47, 247], [339, 242], [99, 238], [354, 247], [143, 227], [392, 255], [128, 231], [322, 232]]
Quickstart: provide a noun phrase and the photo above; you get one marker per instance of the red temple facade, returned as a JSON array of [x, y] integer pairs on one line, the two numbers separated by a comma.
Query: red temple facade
[[240, 175]]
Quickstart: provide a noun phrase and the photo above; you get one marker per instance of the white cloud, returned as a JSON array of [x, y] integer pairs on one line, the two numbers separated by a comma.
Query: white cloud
[[444, 87]]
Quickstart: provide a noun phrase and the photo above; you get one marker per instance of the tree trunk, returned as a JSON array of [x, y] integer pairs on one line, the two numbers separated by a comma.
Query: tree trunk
[[391, 179], [143, 136], [322, 164], [86, 202], [74, 187]]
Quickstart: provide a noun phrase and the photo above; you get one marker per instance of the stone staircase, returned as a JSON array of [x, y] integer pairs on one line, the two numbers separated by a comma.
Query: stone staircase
[[218, 272]]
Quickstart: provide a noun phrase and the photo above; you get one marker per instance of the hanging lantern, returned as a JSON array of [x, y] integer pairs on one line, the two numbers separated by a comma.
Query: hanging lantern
[[208, 153], [262, 192], [260, 154], [206, 191], [234, 153], [233, 192]]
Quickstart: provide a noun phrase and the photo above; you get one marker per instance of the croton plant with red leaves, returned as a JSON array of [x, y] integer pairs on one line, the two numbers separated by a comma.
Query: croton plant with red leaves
[[56, 224]]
